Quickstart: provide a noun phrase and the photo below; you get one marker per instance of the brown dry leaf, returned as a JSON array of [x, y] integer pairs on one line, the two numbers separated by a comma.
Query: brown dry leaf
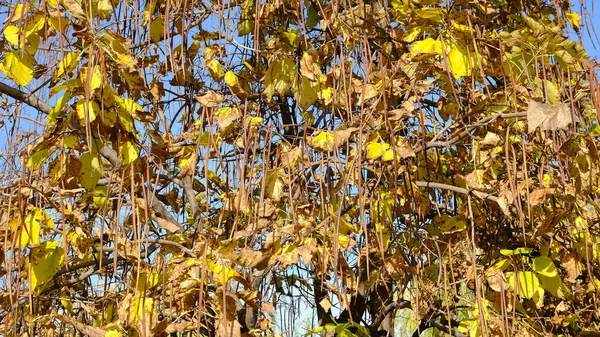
[[325, 304], [75, 9], [228, 329], [307, 65], [84, 329], [166, 225], [341, 136], [547, 116], [491, 139], [210, 99], [572, 265], [540, 195], [248, 258], [496, 280]]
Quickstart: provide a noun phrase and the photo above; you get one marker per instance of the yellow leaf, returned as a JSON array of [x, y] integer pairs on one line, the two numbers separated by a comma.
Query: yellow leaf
[[433, 14], [105, 9], [32, 44], [11, 34], [28, 229], [323, 141], [411, 34], [543, 265], [113, 333], [157, 29], [528, 283], [99, 196], [36, 160], [454, 225], [187, 161], [95, 82], [141, 309], [428, 46], [326, 95], [376, 149], [234, 83], [293, 37], [20, 12], [280, 76], [148, 281], [66, 65], [458, 60], [90, 171], [500, 265], [128, 152], [226, 116], [45, 261], [460, 27], [307, 94], [231, 79], [574, 18], [517, 251], [18, 66], [35, 25], [92, 111], [222, 273], [215, 69]]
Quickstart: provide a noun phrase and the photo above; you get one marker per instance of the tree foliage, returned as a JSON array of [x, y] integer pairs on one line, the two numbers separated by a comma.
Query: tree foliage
[[370, 168]]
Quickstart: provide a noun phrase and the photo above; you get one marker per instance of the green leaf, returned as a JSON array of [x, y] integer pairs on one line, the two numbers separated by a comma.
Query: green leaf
[[543, 265], [45, 261], [90, 171]]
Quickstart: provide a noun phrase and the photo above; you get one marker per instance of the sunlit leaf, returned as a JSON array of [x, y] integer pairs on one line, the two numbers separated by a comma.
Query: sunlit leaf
[[91, 171], [323, 140], [45, 261], [18, 66], [215, 69], [128, 152], [528, 283], [280, 76]]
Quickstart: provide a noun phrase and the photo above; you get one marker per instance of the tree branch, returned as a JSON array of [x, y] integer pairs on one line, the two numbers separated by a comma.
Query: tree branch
[[29, 99], [479, 194]]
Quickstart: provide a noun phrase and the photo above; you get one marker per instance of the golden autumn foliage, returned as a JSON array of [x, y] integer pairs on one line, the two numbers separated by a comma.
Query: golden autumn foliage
[[294, 168]]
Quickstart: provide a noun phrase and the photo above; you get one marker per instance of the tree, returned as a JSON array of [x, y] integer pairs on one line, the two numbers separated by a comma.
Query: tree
[[371, 168]]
